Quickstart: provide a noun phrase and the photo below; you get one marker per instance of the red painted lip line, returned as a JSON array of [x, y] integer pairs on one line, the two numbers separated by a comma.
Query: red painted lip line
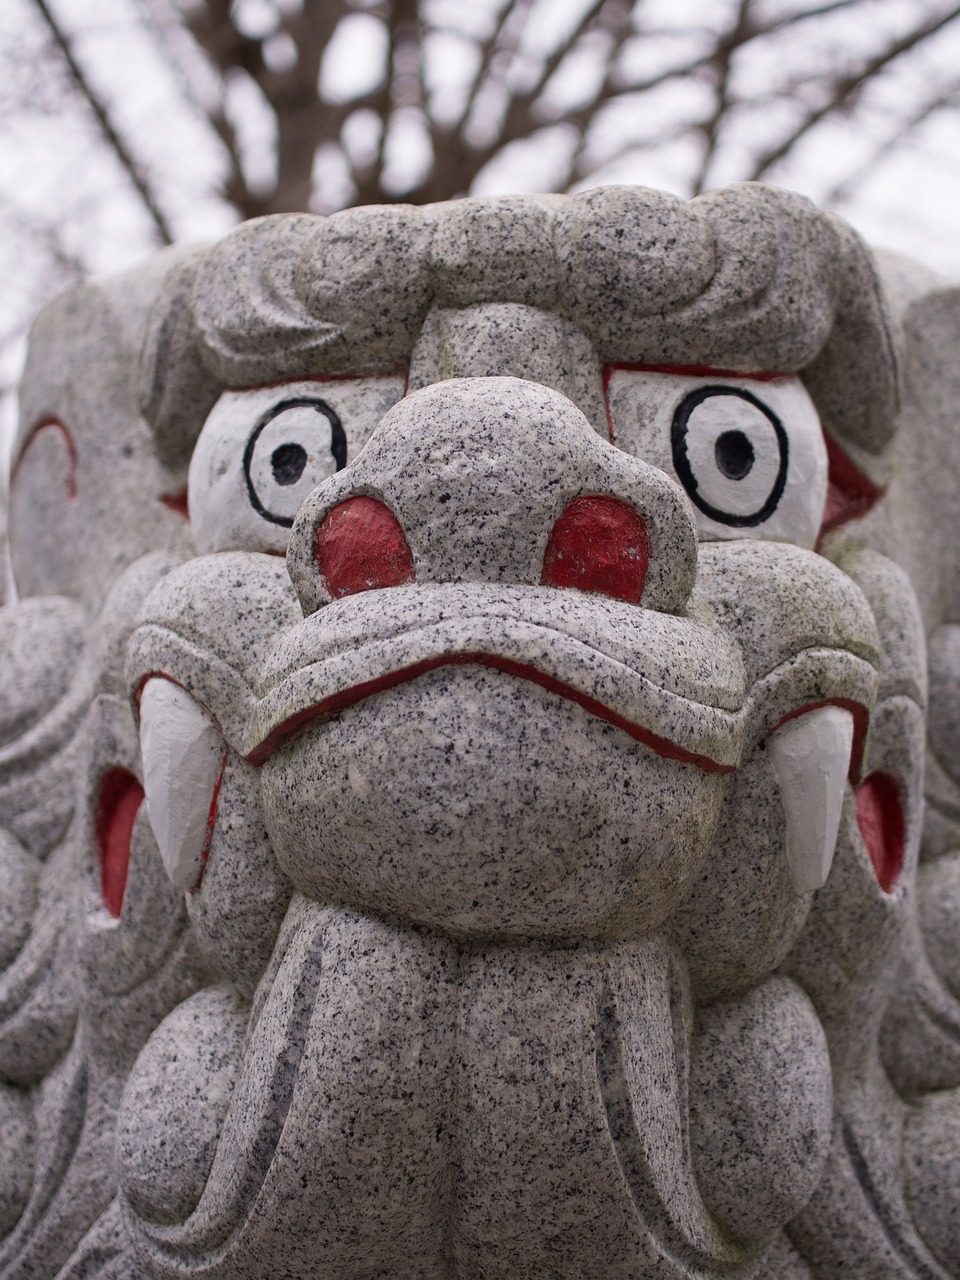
[[349, 697], [211, 821]]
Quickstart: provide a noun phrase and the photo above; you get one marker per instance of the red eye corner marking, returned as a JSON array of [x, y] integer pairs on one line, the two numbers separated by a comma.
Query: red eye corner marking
[[599, 544], [850, 494], [880, 819], [361, 547], [177, 502], [120, 798]]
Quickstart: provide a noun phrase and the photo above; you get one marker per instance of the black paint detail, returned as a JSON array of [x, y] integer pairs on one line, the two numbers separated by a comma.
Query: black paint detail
[[734, 454], [287, 462], [338, 448], [678, 440]]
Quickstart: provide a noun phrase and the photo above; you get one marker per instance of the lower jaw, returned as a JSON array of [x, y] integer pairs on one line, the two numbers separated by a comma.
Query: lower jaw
[[483, 805]]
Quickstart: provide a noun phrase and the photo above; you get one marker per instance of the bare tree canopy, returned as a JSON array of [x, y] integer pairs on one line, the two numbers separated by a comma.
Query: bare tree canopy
[[422, 101], [129, 123]]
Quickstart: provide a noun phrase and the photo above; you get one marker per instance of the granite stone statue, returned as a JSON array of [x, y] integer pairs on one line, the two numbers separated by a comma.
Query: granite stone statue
[[480, 762]]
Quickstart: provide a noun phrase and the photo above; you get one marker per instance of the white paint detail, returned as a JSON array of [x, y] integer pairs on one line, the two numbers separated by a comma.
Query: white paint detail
[[811, 758], [642, 406], [182, 751], [711, 419], [222, 514]]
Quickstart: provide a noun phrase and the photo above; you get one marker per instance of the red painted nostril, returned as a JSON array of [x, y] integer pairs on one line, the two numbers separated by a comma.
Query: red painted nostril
[[121, 796], [880, 819], [599, 544], [361, 546]]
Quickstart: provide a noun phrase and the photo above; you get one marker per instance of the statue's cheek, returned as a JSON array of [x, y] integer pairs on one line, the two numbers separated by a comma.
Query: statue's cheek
[[761, 1102], [175, 1102]]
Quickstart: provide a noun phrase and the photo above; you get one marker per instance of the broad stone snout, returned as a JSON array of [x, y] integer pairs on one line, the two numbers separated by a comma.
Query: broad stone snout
[[474, 474]]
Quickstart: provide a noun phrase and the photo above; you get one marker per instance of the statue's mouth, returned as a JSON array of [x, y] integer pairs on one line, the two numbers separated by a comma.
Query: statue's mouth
[[701, 691], [618, 662], [350, 696], [675, 684]]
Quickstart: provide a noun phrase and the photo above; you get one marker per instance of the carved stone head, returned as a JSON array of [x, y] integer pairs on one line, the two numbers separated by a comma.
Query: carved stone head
[[464, 784]]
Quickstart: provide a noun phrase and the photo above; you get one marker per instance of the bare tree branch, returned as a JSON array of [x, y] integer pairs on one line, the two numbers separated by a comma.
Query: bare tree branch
[[99, 110], [509, 95], [721, 61], [638, 145], [847, 86], [234, 186], [304, 121], [517, 120], [605, 90], [803, 15], [225, 47], [520, 119], [943, 101], [491, 46]]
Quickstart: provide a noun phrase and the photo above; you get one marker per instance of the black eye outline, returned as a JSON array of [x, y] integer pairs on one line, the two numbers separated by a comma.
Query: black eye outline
[[338, 447], [681, 463]]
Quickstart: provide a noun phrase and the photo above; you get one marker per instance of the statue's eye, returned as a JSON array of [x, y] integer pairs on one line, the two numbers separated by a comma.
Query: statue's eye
[[262, 450], [748, 448], [296, 444], [730, 453]]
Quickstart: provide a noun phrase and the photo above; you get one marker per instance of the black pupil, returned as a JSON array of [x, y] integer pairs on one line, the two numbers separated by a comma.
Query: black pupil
[[734, 454], [288, 461]]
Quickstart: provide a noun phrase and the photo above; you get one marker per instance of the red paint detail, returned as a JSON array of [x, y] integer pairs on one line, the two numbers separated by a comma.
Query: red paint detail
[[607, 374], [850, 494], [698, 371], [861, 722], [880, 819], [68, 440], [211, 823], [361, 547], [394, 370], [599, 544], [681, 371], [177, 502], [349, 697], [121, 796]]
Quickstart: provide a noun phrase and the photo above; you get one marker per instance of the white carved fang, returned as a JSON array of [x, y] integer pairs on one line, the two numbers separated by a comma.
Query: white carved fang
[[811, 758], [182, 752]]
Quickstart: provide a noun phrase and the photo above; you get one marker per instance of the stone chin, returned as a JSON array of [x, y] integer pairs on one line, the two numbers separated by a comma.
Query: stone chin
[[476, 802]]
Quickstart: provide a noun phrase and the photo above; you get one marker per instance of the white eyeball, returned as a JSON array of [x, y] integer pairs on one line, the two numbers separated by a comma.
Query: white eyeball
[[731, 454], [296, 444], [262, 451], [749, 452]]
